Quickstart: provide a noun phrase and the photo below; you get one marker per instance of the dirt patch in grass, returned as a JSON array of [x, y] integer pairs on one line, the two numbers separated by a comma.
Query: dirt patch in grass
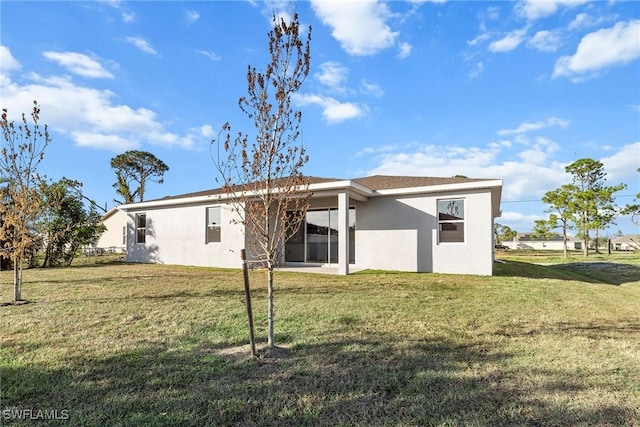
[[12, 303], [264, 355]]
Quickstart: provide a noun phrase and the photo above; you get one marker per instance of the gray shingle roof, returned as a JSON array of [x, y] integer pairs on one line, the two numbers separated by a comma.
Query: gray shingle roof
[[388, 182], [375, 183]]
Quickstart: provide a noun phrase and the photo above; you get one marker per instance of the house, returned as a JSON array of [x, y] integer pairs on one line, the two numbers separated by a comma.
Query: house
[[114, 238], [418, 224], [526, 241], [626, 243]]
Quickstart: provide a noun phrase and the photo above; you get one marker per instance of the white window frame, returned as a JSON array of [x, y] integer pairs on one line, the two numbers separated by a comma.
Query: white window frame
[[139, 229], [462, 221], [217, 225]]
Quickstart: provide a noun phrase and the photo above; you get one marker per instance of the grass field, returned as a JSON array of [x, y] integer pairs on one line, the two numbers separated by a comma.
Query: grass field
[[130, 345]]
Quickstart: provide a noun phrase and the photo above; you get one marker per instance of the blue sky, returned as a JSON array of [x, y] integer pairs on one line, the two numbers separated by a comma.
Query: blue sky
[[508, 90]]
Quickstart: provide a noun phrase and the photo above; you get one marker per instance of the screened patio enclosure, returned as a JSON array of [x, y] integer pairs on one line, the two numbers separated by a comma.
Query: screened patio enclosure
[[316, 241]]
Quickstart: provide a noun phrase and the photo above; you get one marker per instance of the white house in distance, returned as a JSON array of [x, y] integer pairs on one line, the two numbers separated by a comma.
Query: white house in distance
[[114, 238], [525, 241], [418, 224], [626, 243]]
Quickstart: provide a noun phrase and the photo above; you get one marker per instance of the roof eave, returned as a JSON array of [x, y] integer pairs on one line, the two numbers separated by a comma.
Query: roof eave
[[472, 185], [355, 190]]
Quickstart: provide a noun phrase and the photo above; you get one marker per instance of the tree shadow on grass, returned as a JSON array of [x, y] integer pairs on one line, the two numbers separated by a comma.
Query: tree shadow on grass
[[606, 273], [367, 381]]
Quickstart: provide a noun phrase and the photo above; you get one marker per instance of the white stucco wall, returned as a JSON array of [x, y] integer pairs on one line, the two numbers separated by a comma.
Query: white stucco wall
[[111, 238], [388, 234], [475, 255], [176, 235], [400, 233], [392, 233]]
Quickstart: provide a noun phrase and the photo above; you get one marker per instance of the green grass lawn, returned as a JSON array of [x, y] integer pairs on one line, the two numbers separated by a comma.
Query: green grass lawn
[[130, 345]]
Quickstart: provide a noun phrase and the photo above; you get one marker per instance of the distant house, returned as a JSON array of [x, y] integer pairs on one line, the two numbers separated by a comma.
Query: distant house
[[525, 241], [418, 224], [626, 243], [114, 238]]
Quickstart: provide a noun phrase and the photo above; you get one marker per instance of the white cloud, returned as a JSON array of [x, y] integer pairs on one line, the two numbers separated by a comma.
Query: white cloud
[[128, 17], [534, 126], [112, 3], [509, 42], [142, 44], [79, 63], [333, 110], [404, 50], [333, 75], [539, 152], [281, 8], [211, 55], [584, 20], [480, 38], [371, 89], [7, 64], [365, 152], [191, 16], [526, 175], [516, 220], [206, 131], [359, 26], [617, 45], [491, 13], [534, 9], [623, 165], [107, 142], [521, 179], [546, 41], [477, 70], [88, 115]]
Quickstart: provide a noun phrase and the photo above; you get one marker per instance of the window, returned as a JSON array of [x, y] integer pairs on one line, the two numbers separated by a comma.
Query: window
[[317, 238], [213, 224], [451, 220], [141, 228], [124, 236]]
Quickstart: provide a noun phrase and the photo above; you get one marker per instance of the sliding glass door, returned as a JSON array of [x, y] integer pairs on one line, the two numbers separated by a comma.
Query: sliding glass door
[[318, 236]]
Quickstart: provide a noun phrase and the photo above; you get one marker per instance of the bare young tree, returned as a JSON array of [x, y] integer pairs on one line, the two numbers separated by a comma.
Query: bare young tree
[[263, 177], [23, 148]]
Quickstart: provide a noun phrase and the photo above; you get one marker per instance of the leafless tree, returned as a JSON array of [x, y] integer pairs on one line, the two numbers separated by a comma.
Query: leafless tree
[[263, 177]]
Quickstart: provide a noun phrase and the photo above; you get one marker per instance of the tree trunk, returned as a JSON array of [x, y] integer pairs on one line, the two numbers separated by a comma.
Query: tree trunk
[[47, 253], [17, 280], [247, 291], [585, 232], [271, 341], [585, 249]]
